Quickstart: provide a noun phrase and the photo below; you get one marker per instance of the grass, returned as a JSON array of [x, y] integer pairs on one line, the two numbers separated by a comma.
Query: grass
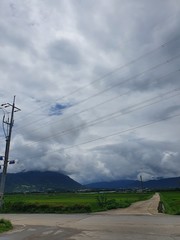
[[171, 201], [69, 202], [5, 225]]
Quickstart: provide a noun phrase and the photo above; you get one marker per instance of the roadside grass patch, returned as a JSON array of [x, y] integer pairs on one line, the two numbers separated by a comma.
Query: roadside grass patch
[[171, 201], [5, 225]]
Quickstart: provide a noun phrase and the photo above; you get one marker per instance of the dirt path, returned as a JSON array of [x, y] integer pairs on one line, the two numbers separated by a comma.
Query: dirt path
[[148, 207]]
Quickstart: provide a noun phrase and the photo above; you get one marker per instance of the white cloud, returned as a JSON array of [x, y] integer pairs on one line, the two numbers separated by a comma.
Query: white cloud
[[49, 50]]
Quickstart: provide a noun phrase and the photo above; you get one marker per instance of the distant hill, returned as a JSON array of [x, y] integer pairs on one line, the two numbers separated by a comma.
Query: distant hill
[[36, 181], [166, 183]]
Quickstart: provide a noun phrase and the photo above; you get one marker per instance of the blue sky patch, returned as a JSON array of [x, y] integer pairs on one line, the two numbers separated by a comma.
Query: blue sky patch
[[58, 108]]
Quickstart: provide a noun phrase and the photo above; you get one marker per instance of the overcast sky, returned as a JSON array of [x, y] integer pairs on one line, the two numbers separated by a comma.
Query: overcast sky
[[98, 86]]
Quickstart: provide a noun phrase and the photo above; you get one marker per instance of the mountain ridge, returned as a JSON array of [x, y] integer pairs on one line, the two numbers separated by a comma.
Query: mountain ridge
[[37, 181], [164, 183]]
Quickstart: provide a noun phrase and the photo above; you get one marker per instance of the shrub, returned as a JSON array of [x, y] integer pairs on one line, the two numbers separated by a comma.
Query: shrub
[[20, 207], [5, 225], [106, 204], [101, 200], [112, 204]]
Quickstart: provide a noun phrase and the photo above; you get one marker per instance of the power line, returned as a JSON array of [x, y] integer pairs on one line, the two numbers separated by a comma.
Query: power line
[[106, 101], [106, 118], [124, 131], [109, 73], [120, 83], [116, 114], [72, 115], [115, 134]]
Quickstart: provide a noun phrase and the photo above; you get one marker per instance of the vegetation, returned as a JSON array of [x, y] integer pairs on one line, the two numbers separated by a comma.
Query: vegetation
[[83, 202], [171, 201], [5, 225], [69, 202]]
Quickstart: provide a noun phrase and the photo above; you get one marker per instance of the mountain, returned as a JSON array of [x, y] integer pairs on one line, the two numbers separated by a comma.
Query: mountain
[[36, 181], [114, 184], [166, 183]]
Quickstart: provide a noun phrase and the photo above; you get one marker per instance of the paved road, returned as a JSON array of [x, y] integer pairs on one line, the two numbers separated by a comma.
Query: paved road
[[111, 225]]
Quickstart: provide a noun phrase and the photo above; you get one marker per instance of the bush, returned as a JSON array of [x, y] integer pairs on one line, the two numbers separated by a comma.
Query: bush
[[112, 204], [5, 225], [79, 208], [101, 200], [106, 204], [21, 207]]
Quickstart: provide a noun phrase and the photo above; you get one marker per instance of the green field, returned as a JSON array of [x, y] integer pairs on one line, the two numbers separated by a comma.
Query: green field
[[70, 202], [171, 201]]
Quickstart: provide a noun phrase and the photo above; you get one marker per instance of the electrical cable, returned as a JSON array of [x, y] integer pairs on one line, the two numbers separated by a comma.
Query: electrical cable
[[110, 73], [120, 83], [124, 131], [114, 134], [115, 114], [101, 119]]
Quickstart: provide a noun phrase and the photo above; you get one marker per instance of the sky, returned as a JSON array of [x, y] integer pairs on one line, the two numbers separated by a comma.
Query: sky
[[98, 86]]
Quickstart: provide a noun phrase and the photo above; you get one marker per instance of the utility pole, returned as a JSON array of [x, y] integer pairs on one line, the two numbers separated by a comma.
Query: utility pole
[[141, 183], [9, 123]]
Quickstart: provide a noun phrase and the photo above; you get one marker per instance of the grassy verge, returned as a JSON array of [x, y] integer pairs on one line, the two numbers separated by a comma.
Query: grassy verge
[[171, 201], [70, 202], [5, 225]]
